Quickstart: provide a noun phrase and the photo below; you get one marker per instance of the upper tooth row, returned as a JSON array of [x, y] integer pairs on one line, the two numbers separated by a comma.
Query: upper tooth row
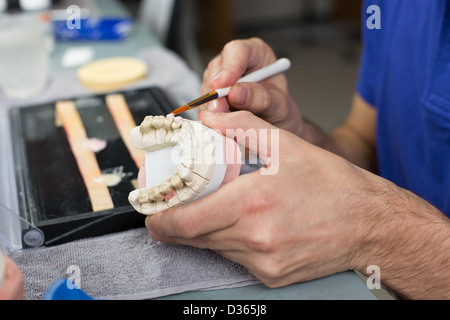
[[159, 122]]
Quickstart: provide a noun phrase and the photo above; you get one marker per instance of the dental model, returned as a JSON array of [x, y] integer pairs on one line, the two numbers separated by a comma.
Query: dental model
[[184, 162]]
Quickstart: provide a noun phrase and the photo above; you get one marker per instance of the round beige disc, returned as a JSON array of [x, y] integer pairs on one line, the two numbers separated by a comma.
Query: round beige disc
[[112, 73]]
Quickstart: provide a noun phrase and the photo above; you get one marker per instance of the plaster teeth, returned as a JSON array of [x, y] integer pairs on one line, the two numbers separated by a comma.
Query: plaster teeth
[[146, 125], [149, 140], [133, 197], [143, 197], [156, 195], [160, 136], [168, 137], [175, 137], [176, 125], [196, 164], [168, 123], [165, 188], [185, 173], [136, 138], [188, 163], [176, 182], [158, 122]]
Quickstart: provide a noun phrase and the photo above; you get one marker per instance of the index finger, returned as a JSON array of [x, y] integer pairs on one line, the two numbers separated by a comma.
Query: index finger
[[238, 58]]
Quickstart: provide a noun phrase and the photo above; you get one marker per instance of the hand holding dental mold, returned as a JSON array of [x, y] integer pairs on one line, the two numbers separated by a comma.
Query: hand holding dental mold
[[322, 211]]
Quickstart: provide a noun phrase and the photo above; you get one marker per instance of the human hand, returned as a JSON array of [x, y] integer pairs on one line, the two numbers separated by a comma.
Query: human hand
[[269, 99], [301, 223]]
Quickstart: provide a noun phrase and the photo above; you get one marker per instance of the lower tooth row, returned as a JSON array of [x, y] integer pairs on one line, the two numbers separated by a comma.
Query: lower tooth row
[[151, 200]]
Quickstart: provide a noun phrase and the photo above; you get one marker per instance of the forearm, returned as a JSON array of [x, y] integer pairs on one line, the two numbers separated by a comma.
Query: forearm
[[343, 142], [409, 240], [354, 140]]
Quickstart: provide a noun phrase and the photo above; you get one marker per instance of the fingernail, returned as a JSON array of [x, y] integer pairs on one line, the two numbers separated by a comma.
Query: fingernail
[[212, 106], [151, 232], [218, 75], [148, 223]]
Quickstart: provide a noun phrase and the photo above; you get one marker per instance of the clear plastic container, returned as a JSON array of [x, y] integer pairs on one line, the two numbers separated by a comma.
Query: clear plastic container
[[24, 55]]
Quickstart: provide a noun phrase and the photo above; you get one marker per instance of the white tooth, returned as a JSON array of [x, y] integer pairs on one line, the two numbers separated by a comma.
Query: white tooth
[[158, 122], [133, 197], [198, 185], [143, 197], [176, 182], [136, 138], [146, 125], [156, 195], [149, 140], [185, 173], [160, 136], [148, 208], [168, 137], [188, 162], [168, 123], [175, 137], [165, 188], [176, 125]]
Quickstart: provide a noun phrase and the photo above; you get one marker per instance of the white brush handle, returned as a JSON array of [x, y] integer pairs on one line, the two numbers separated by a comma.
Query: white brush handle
[[279, 66]]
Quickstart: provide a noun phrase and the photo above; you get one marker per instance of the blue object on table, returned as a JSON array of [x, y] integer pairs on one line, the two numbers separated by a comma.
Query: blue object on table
[[93, 29], [60, 290]]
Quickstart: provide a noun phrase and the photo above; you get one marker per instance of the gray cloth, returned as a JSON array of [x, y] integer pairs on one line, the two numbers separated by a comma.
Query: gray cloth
[[127, 265]]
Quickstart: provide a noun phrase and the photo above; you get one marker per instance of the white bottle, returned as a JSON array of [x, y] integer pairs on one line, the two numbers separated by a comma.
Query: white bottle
[[43, 8], [3, 5], [34, 5]]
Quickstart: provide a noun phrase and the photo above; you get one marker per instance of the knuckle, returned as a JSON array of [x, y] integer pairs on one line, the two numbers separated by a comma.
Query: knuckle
[[266, 99], [262, 198], [245, 114], [269, 272], [233, 45], [260, 242]]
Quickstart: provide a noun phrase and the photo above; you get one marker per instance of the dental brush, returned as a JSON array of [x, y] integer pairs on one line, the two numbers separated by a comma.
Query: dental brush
[[277, 67]]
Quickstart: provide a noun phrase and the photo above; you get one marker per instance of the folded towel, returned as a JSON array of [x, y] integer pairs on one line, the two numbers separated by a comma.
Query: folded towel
[[127, 265]]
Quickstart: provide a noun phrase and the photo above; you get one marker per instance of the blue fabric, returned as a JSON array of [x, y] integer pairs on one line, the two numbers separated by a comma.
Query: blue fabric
[[405, 75]]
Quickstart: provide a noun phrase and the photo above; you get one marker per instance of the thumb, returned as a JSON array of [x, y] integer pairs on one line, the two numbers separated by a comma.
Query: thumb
[[249, 131]]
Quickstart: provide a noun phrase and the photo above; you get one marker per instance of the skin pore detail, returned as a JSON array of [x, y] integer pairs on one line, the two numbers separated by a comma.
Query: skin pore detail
[[185, 161]]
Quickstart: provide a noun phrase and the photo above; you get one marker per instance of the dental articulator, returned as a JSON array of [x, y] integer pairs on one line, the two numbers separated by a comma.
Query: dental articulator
[[185, 160]]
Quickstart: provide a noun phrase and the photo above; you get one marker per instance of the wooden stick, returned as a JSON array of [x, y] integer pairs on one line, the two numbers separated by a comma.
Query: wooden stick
[[123, 118], [85, 157]]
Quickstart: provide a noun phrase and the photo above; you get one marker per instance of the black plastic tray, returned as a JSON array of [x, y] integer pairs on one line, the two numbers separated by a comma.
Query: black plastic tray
[[52, 194]]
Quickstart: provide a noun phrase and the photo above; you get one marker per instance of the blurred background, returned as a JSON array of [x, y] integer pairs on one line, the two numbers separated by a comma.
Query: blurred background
[[321, 37]]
